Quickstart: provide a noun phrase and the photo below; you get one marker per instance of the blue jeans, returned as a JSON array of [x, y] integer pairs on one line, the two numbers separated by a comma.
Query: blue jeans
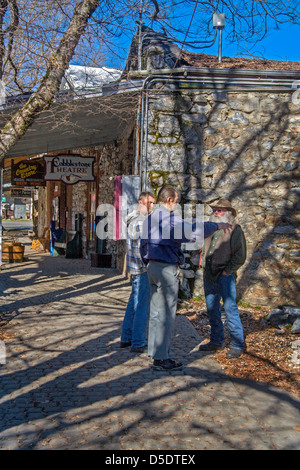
[[224, 287], [163, 278], [134, 327]]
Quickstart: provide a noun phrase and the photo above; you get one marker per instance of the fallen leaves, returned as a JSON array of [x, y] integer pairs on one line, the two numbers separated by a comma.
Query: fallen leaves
[[268, 358]]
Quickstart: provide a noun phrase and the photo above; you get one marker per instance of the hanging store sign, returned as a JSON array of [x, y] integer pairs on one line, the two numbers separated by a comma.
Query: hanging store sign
[[70, 169], [20, 192], [27, 173]]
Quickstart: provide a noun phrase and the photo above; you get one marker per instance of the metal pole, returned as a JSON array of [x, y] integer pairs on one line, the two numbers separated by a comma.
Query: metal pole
[[220, 44], [1, 190], [219, 22], [140, 36]]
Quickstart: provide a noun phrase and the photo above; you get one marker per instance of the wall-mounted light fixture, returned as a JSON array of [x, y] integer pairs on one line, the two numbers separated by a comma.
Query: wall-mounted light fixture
[[219, 23]]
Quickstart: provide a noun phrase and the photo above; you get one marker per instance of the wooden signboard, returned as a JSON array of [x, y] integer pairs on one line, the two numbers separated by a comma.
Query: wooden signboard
[[70, 169], [20, 192], [27, 173]]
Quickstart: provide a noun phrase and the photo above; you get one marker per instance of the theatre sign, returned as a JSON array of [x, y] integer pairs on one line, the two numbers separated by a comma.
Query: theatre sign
[[70, 169]]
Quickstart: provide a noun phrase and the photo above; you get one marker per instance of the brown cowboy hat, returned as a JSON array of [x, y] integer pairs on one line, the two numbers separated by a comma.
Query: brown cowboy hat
[[225, 205]]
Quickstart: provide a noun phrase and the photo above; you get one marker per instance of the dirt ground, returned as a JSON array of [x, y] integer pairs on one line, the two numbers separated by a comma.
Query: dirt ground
[[270, 357]]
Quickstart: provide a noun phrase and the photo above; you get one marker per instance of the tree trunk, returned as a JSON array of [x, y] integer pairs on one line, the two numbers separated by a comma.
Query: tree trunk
[[58, 63]]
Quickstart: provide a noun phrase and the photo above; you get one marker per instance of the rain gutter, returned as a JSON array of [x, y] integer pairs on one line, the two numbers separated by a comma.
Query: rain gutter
[[203, 79]]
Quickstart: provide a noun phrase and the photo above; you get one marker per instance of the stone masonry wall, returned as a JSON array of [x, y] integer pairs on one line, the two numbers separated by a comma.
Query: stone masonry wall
[[115, 160], [41, 205], [111, 160], [243, 146]]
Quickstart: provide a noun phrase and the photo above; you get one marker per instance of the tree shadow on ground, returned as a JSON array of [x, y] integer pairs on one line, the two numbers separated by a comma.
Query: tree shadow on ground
[[95, 385]]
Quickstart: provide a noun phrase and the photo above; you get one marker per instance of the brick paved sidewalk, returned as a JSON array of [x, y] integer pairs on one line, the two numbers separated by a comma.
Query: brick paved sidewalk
[[67, 385]]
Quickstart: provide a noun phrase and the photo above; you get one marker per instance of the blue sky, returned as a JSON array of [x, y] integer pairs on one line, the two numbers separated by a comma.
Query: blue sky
[[195, 23], [279, 44], [282, 44]]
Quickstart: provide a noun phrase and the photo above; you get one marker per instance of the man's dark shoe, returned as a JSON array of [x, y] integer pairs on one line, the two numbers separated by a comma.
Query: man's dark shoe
[[210, 347], [234, 353], [124, 344], [138, 350], [166, 364]]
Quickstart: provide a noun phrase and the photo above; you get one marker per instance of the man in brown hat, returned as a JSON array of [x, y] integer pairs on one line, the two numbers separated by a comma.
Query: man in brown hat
[[223, 253]]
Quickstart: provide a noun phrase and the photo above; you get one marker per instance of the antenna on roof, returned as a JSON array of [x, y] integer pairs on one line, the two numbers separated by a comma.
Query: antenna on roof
[[140, 23], [219, 23]]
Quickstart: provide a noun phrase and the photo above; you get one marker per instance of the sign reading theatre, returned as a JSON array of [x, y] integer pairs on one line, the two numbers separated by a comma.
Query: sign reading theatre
[[69, 168]]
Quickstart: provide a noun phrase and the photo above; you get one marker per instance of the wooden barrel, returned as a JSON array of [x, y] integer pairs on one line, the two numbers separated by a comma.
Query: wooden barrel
[[18, 252], [7, 252], [12, 252]]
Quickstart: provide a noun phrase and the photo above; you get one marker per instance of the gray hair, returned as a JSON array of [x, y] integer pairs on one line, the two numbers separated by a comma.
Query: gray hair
[[165, 192]]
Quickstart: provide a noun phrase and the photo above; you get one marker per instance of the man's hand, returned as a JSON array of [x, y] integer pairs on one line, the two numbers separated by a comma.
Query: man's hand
[[142, 209], [224, 226]]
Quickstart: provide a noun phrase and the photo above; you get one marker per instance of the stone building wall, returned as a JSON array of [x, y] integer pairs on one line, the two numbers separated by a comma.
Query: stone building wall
[[41, 211], [79, 198], [110, 160], [115, 160], [80, 206], [243, 146]]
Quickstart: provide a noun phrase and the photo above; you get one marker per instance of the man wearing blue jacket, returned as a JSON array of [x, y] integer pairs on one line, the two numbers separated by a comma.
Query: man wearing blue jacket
[[163, 234]]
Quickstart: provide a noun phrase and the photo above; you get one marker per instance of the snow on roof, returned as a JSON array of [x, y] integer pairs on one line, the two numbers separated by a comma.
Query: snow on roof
[[78, 77]]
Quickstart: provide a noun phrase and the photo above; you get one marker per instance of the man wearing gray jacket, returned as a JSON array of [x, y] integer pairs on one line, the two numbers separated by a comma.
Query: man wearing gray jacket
[[137, 311]]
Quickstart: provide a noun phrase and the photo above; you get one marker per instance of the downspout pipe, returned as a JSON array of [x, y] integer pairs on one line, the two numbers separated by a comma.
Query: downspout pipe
[[1, 226]]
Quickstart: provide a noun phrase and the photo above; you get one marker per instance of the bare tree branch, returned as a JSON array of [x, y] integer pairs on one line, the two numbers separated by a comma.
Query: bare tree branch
[[31, 31], [58, 63]]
